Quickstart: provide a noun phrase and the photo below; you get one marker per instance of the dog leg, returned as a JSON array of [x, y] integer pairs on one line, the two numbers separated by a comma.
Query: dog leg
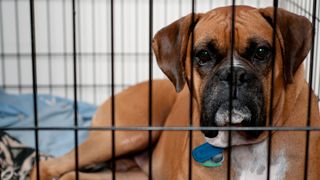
[[131, 110], [125, 169], [132, 175], [94, 150]]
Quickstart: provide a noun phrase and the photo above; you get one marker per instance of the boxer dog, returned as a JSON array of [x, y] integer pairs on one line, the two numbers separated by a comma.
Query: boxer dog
[[203, 42]]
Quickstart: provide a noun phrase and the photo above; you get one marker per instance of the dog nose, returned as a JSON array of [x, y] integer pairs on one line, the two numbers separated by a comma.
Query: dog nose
[[238, 77], [210, 134]]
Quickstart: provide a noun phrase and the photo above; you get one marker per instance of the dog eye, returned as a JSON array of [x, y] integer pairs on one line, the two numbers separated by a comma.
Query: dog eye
[[203, 57], [261, 53]]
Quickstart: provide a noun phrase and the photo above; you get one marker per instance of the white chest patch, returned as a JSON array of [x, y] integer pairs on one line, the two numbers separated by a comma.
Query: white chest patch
[[250, 162]]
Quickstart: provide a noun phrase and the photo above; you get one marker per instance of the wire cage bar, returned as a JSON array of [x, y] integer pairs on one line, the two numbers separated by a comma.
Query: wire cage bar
[[91, 50]]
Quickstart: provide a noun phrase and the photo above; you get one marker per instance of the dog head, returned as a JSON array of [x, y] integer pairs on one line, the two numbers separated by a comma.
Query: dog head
[[234, 74]]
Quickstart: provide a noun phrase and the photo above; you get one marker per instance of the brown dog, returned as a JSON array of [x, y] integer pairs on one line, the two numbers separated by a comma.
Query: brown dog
[[251, 94]]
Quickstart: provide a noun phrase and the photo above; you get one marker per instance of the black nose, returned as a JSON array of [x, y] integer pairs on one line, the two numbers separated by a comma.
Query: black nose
[[238, 77], [210, 134]]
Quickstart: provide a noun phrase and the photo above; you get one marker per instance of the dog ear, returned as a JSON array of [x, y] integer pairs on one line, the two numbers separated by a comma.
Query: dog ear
[[170, 47], [295, 35]]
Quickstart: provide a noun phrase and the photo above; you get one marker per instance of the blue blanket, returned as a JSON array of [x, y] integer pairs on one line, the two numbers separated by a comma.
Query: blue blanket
[[18, 111]]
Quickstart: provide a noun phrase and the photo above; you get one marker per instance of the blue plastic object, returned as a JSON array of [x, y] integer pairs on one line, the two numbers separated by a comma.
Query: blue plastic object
[[205, 152]]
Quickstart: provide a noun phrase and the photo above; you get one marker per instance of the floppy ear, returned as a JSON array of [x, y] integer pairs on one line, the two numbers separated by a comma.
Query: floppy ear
[[170, 47], [295, 34]]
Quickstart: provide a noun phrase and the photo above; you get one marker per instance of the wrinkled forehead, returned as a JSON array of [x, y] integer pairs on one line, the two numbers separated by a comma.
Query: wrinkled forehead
[[216, 25]]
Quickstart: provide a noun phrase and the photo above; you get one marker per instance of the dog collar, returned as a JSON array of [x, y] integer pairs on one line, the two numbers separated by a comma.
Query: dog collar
[[208, 155]]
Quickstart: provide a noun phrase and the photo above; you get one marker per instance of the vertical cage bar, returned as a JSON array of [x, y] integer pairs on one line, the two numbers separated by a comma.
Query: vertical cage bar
[[150, 85], [2, 49], [34, 83], [17, 44], [314, 11], [232, 35], [49, 46], [113, 150], [191, 93], [75, 88], [274, 25]]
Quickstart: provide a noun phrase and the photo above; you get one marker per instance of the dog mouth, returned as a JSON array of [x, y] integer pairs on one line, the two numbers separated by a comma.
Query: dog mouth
[[242, 115], [239, 114]]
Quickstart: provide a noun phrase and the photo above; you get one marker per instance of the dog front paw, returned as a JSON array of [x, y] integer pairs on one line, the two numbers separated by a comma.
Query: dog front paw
[[47, 171], [68, 176]]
